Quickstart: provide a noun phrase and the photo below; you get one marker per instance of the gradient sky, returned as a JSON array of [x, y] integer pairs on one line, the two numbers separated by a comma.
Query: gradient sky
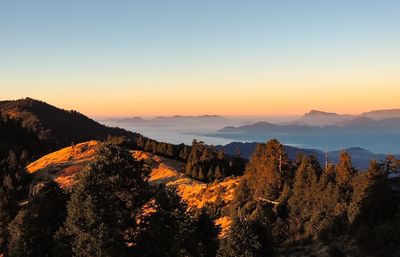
[[202, 57]]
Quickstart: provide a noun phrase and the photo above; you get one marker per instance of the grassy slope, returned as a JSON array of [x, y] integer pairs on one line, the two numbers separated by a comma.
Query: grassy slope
[[62, 166]]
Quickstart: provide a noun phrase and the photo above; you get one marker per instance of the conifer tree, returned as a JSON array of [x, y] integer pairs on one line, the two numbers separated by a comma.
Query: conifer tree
[[5, 218], [242, 241], [218, 174], [344, 169], [305, 188], [93, 218], [202, 177], [206, 235], [268, 169], [194, 172], [169, 231], [32, 230], [104, 204], [210, 175]]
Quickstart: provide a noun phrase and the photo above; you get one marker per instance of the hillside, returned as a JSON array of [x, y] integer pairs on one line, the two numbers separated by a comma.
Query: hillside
[[51, 128], [16, 138], [62, 166]]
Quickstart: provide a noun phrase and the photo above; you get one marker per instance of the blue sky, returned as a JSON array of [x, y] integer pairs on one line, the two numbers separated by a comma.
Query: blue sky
[[78, 54]]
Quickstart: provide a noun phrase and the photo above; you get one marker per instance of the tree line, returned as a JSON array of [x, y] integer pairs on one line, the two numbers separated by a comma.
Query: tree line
[[203, 162]]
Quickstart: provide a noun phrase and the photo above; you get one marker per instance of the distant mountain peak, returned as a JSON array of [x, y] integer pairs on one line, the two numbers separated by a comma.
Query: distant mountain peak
[[321, 118], [317, 112], [174, 118]]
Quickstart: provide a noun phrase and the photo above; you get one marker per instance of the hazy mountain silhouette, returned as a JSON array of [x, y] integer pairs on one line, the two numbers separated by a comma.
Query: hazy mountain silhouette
[[360, 156], [382, 114], [317, 121], [320, 118], [171, 119]]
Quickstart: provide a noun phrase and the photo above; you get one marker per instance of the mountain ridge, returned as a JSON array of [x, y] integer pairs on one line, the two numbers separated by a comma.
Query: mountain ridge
[[54, 127], [174, 118]]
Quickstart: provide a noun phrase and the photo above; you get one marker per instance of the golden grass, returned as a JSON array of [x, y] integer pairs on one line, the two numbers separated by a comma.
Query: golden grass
[[62, 166]]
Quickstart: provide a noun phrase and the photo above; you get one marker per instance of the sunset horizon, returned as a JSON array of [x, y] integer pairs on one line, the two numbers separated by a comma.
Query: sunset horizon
[[208, 128]]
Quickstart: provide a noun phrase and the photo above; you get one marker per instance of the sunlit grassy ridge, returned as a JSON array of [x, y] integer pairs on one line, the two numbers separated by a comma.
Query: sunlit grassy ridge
[[62, 166]]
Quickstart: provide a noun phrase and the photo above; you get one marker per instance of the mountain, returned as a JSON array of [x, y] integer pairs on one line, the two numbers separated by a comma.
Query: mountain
[[382, 114], [49, 127], [171, 119], [129, 120], [262, 125], [356, 122], [247, 149], [320, 118], [360, 157]]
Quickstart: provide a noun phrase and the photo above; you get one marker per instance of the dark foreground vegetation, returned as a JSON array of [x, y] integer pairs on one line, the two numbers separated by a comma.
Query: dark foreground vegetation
[[280, 208], [286, 206]]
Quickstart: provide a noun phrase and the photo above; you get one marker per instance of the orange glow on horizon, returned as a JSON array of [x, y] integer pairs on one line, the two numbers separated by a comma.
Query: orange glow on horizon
[[229, 96]]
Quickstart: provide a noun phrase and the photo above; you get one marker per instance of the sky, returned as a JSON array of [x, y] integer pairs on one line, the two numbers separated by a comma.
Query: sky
[[228, 57]]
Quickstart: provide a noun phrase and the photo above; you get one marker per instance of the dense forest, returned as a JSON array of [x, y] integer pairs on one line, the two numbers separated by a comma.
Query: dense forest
[[287, 206], [204, 163]]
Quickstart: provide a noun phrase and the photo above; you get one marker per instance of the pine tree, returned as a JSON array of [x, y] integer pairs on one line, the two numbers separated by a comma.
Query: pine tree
[[221, 154], [169, 231], [206, 235], [218, 174], [202, 177], [189, 169], [210, 175], [268, 170], [242, 241], [5, 218], [344, 169], [32, 230], [184, 154], [104, 204], [170, 151], [93, 218], [194, 172], [305, 188]]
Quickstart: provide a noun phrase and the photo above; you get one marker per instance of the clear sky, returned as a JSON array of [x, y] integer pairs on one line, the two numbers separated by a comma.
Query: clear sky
[[202, 57]]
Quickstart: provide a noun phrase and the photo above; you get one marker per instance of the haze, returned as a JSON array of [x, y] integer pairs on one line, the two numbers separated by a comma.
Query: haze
[[121, 58]]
